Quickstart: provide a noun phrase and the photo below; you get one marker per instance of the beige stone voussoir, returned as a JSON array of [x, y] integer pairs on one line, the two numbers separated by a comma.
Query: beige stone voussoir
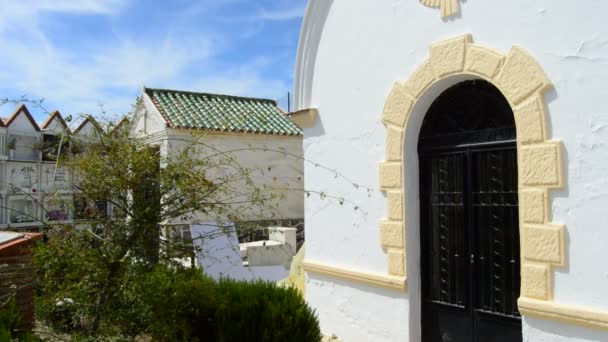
[[541, 164], [391, 234], [395, 205], [396, 263], [520, 76], [397, 105], [394, 143], [421, 79], [535, 281], [390, 175], [447, 57], [530, 121], [534, 206], [483, 61], [544, 243]]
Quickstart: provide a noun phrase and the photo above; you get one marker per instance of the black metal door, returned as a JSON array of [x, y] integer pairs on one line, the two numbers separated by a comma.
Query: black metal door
[[469, 222]]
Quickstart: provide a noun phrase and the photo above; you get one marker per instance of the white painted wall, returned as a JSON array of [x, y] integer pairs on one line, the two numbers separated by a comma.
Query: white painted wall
[[87, 131], [22, 124], [347, 64], [55, 126], [282, 174], [148, 120]]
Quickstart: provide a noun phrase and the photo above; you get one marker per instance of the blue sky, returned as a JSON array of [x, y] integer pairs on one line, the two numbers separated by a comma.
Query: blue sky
[[78, 54]]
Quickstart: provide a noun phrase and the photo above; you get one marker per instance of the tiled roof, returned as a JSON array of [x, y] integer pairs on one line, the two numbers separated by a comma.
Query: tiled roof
[[189, 110]]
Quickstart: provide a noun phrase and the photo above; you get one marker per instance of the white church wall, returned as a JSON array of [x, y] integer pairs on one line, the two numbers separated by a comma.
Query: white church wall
[[363, 49]]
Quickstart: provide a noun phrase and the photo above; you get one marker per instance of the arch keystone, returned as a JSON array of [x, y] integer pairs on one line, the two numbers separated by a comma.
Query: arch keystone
[[520, 76], [483, 61], [448, 56]]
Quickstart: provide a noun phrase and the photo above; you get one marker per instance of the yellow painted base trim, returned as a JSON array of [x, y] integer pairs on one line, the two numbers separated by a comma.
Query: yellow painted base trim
[[370, 278], [562, 312]]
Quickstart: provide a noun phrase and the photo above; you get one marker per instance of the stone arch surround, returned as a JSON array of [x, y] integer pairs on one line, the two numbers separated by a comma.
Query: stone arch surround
[[540, 166]]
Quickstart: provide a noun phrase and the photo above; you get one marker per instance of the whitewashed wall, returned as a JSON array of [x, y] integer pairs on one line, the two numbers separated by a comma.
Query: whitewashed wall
[[283, 174], [350, 54]]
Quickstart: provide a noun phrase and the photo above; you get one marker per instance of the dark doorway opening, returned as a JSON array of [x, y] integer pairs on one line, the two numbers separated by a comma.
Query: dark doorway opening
[[469, 226]]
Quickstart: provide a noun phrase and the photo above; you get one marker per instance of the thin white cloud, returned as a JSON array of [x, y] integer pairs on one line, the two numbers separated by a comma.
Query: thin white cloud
[[80, 77]]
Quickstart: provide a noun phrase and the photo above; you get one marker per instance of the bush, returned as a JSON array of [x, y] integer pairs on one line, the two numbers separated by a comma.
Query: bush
[[185, 305], [261, 311], [168, 303], [181, 304]]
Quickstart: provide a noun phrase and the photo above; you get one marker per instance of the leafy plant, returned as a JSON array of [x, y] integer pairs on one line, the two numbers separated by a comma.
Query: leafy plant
[[263, 311], [97, 263], [9, 323]]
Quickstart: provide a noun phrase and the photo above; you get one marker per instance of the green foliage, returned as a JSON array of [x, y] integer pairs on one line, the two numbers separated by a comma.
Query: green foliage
[[9, 322], [9, 319], [179, 304], [88, 274], [184, 305], [262, 311]]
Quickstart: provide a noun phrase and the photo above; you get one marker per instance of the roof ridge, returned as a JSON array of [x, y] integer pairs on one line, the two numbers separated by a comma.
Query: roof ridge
[[213, 94]]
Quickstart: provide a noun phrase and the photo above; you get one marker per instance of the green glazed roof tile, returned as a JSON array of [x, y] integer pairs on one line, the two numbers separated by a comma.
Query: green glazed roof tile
[[189, 110]]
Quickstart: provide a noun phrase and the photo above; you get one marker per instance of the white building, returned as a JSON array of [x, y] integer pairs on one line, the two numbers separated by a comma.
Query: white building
[[32, 188], [482, 129], [255, 132]]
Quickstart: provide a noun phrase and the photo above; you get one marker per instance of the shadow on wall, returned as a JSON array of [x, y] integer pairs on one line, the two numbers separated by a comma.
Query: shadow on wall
[[317, 129]]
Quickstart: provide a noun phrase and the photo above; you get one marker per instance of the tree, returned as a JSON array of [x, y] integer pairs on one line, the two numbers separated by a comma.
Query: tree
[[92, 260]]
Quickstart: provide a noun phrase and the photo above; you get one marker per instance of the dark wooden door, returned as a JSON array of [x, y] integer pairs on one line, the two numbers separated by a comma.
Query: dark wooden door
[[469, 224]]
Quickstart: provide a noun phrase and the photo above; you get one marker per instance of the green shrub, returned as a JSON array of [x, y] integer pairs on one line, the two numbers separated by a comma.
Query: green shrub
[[261, 311], [181, 304]]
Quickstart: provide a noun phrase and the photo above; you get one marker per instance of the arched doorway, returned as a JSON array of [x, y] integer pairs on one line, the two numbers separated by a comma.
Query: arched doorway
[[469, 225]]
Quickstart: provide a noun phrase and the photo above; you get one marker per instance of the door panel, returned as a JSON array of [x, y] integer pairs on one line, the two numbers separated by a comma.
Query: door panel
[[445, 310], [496, 230], [470, 244], [445, 244]]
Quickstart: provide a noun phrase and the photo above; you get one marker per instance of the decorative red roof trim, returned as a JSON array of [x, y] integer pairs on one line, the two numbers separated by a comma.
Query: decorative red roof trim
[[54, 115], [84, 122], [28, 115]]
